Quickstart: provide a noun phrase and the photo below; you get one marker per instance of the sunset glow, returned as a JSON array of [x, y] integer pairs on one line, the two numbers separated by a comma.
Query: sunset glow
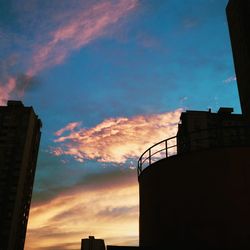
[[110, 213], [108, 78], [116, 140]]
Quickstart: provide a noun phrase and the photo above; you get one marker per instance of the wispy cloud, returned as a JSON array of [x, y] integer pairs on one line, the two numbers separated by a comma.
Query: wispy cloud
[[79, 30], [189, 23], [80, 213], [6, 89], [16, 86], [230, 79], [115, 139], [70, 127], [183, 99], [76, 30]]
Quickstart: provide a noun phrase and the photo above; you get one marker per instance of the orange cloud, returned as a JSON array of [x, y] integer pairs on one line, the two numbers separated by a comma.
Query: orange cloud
[[60, 223], [116, 139]]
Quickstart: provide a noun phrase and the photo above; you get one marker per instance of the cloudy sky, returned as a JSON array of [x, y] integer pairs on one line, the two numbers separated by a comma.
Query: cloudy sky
[[108, 78]]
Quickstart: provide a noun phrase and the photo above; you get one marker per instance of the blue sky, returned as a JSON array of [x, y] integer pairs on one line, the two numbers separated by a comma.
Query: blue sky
[[108, 78]]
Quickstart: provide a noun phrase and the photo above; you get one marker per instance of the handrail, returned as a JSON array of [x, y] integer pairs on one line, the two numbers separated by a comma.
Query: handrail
[[194, 141], [140, 161]]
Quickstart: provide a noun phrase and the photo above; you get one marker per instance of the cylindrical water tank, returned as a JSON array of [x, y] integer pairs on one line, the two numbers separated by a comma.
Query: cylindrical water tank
[[199, 199]]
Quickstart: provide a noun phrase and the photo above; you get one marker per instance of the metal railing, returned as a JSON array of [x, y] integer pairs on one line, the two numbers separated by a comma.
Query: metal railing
[[227, 136]]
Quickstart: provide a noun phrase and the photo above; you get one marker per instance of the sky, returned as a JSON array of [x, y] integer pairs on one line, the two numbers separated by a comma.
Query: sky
[[108, 78]]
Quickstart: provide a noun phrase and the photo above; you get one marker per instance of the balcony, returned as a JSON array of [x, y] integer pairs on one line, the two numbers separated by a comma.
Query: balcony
[[219, 137]]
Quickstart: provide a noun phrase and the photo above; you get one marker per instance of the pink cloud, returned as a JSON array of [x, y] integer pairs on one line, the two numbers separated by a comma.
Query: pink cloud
[[117, 139], [76, 30], [7, 89], [79, 30], [70, 127]]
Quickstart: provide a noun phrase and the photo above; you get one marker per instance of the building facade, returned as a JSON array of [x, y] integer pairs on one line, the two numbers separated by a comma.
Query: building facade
[[196, 200], [19, 144], [198, 130]]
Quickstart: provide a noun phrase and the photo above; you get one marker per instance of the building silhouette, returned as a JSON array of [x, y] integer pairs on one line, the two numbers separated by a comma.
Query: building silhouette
[[238, 16], [195, 187], [199, 196], [19, 143], [92, 244], [199, 130]]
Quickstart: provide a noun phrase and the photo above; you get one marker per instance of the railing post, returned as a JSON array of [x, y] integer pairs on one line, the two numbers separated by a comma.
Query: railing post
[[166, 147], [149, 156]]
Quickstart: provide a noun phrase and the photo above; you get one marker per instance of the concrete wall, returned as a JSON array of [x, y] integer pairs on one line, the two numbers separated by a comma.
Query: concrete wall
[[200, 199]]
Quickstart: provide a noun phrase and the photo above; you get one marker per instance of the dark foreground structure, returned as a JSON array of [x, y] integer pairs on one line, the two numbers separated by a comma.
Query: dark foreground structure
[[198, 196], [195, 187], [92, 244], [238, 16], [19, 143]]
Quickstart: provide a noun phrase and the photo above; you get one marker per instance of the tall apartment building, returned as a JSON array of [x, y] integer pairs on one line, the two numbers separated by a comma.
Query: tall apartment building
[[19, 143], [238, 16]]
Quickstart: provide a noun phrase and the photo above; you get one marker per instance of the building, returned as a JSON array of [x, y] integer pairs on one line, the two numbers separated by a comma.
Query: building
[[198, 130], [197, 200], [19, 143], [238, 16], [92, 244], [199, 197]]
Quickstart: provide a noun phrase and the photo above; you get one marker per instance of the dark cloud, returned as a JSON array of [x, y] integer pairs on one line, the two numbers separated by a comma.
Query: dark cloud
[[106, 180], [51, 171], [7, 64], [26, 83], [52, 186]]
